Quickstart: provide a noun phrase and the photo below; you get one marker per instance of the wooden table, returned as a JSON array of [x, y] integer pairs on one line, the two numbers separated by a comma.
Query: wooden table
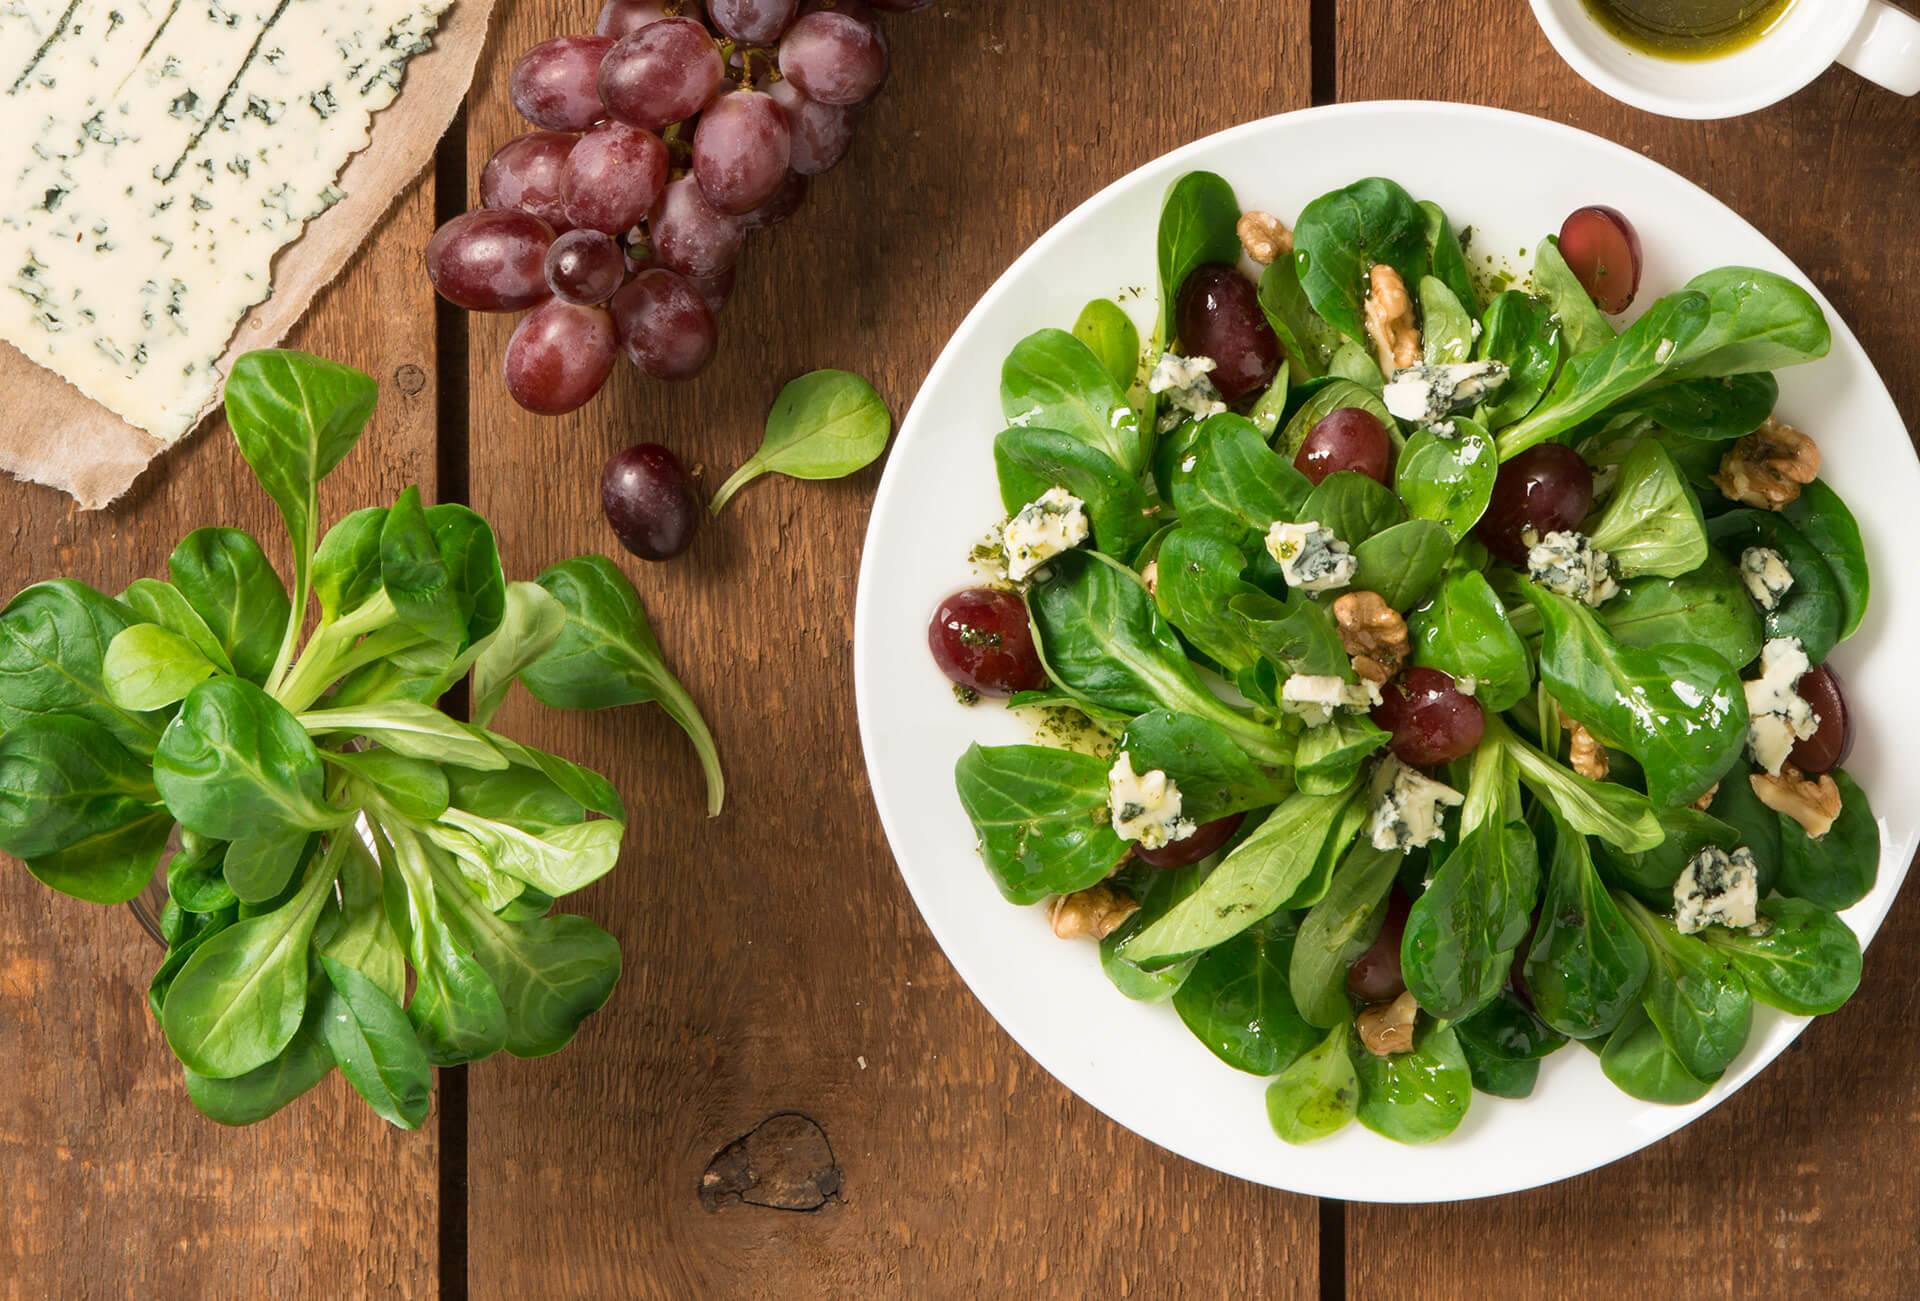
[[775, 963]]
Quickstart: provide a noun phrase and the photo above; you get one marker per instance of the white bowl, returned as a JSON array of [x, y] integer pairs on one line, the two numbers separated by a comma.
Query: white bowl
[[1137, 1062]]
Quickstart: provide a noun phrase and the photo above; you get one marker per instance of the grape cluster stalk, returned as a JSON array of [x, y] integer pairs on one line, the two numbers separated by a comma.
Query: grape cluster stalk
[[661, 143]]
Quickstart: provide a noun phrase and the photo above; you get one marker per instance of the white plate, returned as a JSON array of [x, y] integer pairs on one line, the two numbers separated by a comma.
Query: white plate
[[1137, 1062]]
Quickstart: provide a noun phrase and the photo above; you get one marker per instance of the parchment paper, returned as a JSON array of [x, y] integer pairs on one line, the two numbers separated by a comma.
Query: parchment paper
[[52, 434]]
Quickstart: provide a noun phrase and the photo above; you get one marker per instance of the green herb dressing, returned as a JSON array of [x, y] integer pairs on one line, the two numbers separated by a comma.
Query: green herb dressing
[[1687, 29]]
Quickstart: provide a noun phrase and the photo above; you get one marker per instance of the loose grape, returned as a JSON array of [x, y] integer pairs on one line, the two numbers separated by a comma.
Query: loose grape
[[614, 177], [757, 22], [1219, 316], [585, 267], [661, 74], [1206, 838], [1545, 489], [1375, 975], [559, 356], [1347, 439], [821, 133], [665, 327], [1829, 747], [741, 150], [619, 17], [554, 84], [690, 235], [1603, 250], [650, 501], [488, 261], [1431, 720], [834, 58], [981, 639], [527, 173]]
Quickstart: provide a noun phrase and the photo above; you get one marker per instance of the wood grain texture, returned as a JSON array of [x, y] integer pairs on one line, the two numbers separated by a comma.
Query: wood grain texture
[[775, 962], [1804, 1183], [114, 1184]]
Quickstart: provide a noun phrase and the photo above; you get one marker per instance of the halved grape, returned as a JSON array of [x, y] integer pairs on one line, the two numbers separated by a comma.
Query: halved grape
[[664, 325], [757, 22], [1206, 838], [554, 83], [619, 17], [1347, 439], [834, 58], [785, 202], [1375, 975], [650, 501], [1545, 489], [614, 177], [821, 132], [1431, 719], [981, 639], [526, 174], [1603, 250], [741, 150], [1828, 747], [585, 267], [559, 356], [662, 74], [690, 235], [1219, 316], [490, 261]]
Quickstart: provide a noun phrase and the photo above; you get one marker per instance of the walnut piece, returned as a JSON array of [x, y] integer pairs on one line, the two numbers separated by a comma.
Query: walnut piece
[[1264, 236], [1705, 801], [1396, 339], [1151, 577], [1587, 755], [1769, 466], [1387, 1028], [1373, 633], [1813, 802], [1091, 914]]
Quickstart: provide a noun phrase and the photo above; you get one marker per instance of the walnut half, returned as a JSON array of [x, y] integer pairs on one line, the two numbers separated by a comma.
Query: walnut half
[[1813, 802], [1396, 339], [1387, 1028], [1264, 236], [1374, 634], [1769, 466], [1090, 914], [1584, 752]]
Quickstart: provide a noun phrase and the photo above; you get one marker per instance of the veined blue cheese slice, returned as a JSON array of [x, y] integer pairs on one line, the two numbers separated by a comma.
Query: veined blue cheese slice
[[158, 154], [1185, 384], [1568, 563], [1407, 807], [1777, 715], [1424, 393], [1313, 697], [1311, 558], [1717, 889], [1767, 578], [1145, 807], [1053, 522]]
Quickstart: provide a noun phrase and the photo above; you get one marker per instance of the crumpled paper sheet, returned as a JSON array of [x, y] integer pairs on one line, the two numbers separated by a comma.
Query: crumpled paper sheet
[[53, 434]]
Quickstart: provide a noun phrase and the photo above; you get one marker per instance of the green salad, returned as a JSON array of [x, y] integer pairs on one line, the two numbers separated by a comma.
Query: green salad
[[1436, 667]]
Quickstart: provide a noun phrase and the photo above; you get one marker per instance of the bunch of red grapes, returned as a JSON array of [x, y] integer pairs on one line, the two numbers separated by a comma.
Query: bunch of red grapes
[[664, 139]]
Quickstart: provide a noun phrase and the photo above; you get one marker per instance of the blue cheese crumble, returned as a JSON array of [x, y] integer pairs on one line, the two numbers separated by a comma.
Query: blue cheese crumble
[[1310, 558], [1183, 382], [1424, 394], [1766, 575], [1055, 521], [1777, 715], [1314, 697], [1407, 806], [1568, 563], [1145, 807], [1717, 889]]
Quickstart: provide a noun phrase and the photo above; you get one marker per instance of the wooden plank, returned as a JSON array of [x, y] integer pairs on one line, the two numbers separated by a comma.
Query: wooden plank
[[1804, 1183], [775, 960], [114, 1184]]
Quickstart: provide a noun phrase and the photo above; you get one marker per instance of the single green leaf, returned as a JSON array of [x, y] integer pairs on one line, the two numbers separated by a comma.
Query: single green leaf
[[1198, 221], [1341, 236], [1342, 926], [375, 1047], [1448, 478], [533, 622], [1419, 1096], [1462, 931], [231, 584], [1041, 816], [1585, 327], [147, 667], [1032, 461], [1111, 336], [1317, 1095], [233, 764], [53, 648], [1236, 1001], [1652, 523], [1404, 563], [1465, 633], [1586, 966], [1839, 869], [827, 424], [158, 601]]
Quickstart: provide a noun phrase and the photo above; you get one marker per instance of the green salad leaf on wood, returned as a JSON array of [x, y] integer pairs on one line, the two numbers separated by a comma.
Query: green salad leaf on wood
[[355, 877], [1448, 658]]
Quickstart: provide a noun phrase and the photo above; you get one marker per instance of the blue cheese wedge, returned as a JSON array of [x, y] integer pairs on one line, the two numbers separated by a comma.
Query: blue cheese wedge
[[1313, 697], [1184, 383], [1568, 563], [1766, 575], [1310, 558], [1777, 715], [1426, 394], [1145, 807], [1717, 889], [157, 156], [1053, 522], [1407, 806]]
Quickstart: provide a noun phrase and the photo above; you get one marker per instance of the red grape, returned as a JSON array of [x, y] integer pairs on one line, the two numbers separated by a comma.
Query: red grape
[[834, 58], [1375, 975], [1206, 838], [553, 84], [900, 6], [662, 74], [757, 22], [489, 261], [526, 174], [650, 501], [618, 17], [1347, 439], [821, 132], [785, 202], [585, 267], [1546, 489], [741, 150], [1603, 250], [690, 235], [713, 290], [1829, 747], [559, 356], [1219, 316], [1431, 721], [614, 177], [981, 639], [665, 326]]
